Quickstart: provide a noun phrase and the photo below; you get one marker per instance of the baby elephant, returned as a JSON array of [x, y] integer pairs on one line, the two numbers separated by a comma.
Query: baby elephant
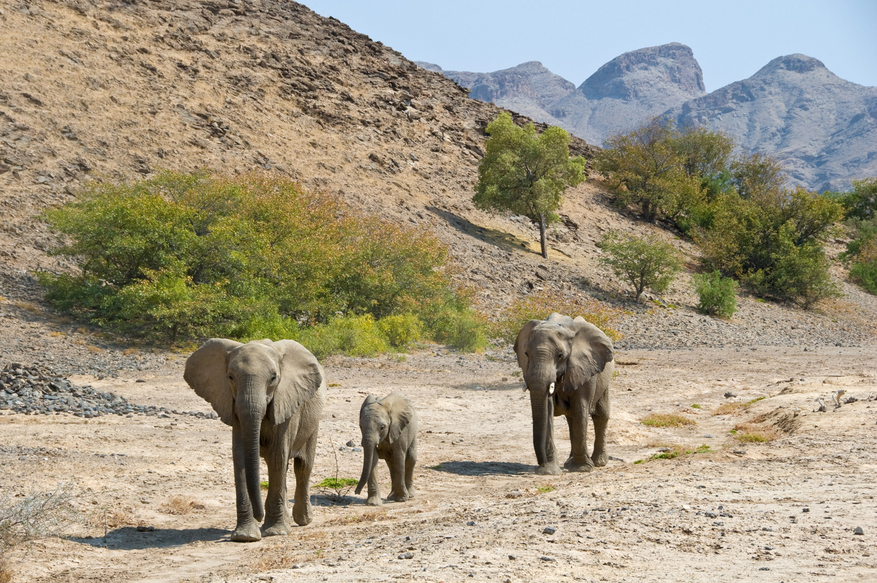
[[389, 432]]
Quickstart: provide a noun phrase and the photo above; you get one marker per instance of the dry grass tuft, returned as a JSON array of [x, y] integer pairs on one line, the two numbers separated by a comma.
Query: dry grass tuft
[[666, 420], [37, 515], [755, 433], [180, 505], [734, 408], [6, 573], [111, 518]]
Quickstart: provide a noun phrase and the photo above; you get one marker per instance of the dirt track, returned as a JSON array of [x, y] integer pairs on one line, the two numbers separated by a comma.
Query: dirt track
[[781, 511]]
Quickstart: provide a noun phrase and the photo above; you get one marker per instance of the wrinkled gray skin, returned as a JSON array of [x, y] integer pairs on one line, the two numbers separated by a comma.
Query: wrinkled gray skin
[[389, 432], [272, 395], [567, 365]]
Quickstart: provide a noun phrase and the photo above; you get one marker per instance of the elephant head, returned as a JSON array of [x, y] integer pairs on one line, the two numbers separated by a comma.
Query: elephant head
[[381, 421], [249, 385], [557, 354]]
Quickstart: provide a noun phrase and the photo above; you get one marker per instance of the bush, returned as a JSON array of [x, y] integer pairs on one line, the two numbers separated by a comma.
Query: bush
[[353, 335], [401, 330], [773, 244], [643, 262], [861, 254], [539, 305], [718, 295], [181, 257]]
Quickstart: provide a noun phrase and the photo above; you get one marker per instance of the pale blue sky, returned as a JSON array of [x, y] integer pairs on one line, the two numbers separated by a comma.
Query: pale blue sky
[[731, 40]]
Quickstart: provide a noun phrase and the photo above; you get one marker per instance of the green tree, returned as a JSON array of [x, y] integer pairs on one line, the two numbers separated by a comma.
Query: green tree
[[643, 262], [526, 173], [647, 169], [861, 202], [717, 294]]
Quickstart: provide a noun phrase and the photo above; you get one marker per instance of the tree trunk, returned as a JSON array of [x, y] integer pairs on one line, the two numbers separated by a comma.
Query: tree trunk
[[542, 228]]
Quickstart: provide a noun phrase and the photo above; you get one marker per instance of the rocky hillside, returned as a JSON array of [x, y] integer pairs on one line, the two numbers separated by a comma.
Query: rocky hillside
[[102, 90], [823, 128]]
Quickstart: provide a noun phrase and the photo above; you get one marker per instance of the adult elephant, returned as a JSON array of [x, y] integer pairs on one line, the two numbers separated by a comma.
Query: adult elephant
[[272, 395], [567, 365]]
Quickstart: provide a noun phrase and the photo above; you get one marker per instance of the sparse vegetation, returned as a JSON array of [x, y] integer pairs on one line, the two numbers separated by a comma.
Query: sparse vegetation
[[37, 515], [184, 256], [337, 488], [736, 407], [539, 305], [545, 489], [676, 451], [666, 420], [755, 433], [526, 173], [643, 262]]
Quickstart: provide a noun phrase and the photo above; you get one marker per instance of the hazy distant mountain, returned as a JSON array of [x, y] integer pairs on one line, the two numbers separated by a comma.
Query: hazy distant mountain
[[629, 89], [527, 89], [822, 127]]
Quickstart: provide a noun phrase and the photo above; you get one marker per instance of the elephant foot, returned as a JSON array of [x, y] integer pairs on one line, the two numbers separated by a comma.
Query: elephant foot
[[548, 470], [600, 460], [579, 465], [301, 513], [374, 501], [246, 533], [398, 497], [278, 528]]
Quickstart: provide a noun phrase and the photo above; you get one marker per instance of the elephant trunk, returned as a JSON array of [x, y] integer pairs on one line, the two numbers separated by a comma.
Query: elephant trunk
[[369, 461], [542, 406], [251, 428]]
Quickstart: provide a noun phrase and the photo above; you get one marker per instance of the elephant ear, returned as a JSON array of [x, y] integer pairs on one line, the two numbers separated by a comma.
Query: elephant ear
[[401, 414], [521, 343], [301, 376], [207, 373], [590, 351]]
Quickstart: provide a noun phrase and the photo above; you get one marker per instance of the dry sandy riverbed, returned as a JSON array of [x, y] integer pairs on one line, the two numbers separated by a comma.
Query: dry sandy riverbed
[[779, 511]]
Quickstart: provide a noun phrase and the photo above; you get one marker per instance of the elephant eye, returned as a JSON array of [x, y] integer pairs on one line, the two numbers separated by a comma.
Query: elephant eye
[[231, 378], [273, 377]]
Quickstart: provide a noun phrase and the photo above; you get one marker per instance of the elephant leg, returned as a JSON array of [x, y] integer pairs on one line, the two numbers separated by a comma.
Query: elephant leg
[[601, 420], [577, 419], [247, 529], [399, 491], [303, 463], [374, 489], [276, 513], [410, 460]]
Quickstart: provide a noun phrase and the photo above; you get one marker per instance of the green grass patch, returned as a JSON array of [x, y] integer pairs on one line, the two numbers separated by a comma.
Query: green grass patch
[[695, 406], [336, 483], [545, 489], [677, 451], [666, 420]]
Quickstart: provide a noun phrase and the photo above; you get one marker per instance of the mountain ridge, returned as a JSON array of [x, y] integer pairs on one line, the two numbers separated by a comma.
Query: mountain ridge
[[824, 130]]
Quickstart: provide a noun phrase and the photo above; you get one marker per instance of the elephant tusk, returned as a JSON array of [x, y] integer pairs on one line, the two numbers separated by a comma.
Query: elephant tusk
[[551, 389]]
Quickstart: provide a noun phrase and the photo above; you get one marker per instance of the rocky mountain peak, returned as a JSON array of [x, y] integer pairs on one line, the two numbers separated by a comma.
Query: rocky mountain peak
[[796, 63], [637, 74]]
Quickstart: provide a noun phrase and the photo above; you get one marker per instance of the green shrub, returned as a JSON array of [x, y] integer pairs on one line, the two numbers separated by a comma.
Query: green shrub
[[861, 253], [539, 305], [352, 335], [643, 262], [401, 330], [718, 295], [181, 257], [773, 243]]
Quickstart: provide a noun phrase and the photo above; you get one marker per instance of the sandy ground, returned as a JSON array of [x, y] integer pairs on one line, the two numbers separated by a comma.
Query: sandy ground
[[779, 511]]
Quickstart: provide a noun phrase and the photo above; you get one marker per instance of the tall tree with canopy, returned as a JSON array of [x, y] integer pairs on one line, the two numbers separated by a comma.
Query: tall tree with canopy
[[526, 173]]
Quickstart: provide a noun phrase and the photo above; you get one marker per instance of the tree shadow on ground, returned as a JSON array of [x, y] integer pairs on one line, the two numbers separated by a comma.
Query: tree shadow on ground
[[501, 239], [130, 538], [484, 468]]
